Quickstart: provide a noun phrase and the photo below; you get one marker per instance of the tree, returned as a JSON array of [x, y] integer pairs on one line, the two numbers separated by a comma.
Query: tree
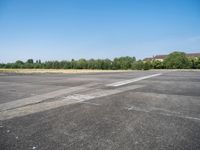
[[82, 64], [19, 62], [107, 64], [123, 62], [198, 63], [2, 65], [176, 60], [138, 65], [156, 64], [30, 61], [91, 64], [194, 62]]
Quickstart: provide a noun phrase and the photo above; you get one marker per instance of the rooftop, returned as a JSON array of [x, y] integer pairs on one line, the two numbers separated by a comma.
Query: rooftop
[[164, 56]]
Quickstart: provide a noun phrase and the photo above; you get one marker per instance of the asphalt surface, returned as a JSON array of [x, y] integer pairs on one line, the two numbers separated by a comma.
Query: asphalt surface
[[86, 112]]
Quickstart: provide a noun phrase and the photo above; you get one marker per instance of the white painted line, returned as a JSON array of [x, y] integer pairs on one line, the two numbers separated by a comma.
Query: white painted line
[[132, 80], [180, 116], [42, 97], [162, 112], [95, 104], [71, 99]]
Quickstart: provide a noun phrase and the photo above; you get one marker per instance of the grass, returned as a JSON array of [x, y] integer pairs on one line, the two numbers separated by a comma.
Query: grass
[[30, 71]]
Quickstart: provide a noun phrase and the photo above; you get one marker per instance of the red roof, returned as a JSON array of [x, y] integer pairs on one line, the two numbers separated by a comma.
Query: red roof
[[164, 56], [160, 57], [193, 55]]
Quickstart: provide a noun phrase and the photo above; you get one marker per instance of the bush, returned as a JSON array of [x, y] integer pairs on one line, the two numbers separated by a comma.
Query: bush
[[147, 65], [176, 60]]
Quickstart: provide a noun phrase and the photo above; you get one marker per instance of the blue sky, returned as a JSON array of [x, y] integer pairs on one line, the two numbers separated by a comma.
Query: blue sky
[[59, 30]]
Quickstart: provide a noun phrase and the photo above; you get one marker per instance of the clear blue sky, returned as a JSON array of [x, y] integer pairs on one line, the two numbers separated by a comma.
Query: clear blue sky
[[57, 30]]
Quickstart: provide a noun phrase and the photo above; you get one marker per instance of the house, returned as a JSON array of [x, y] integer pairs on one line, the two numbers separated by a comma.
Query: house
[[162, 57], [159, 57], [193, 55]]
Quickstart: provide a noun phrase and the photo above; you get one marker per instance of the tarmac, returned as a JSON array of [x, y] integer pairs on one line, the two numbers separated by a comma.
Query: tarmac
[[140, 110]]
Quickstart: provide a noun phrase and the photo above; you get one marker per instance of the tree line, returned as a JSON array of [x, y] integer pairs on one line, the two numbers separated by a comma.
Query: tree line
[[175, 60]]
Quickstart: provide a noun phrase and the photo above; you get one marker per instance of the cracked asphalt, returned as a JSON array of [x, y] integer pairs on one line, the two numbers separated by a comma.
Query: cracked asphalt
[[80, 112]]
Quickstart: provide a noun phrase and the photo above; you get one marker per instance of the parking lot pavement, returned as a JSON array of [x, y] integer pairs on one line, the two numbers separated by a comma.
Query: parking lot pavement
[[110, 111]]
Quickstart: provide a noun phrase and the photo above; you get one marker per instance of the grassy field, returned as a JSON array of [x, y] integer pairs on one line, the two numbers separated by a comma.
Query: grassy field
[[28, 71], [73, 71]]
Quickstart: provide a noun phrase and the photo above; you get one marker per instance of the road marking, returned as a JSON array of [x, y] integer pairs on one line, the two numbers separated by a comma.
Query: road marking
[[175, 99], [132, 80], [71, 99], [95, 104], [40, 98], [166, 101], [180, 116], [162, 112]]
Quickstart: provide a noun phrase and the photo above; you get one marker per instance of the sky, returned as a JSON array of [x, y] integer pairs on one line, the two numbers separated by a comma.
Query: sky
[[66, 29]]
